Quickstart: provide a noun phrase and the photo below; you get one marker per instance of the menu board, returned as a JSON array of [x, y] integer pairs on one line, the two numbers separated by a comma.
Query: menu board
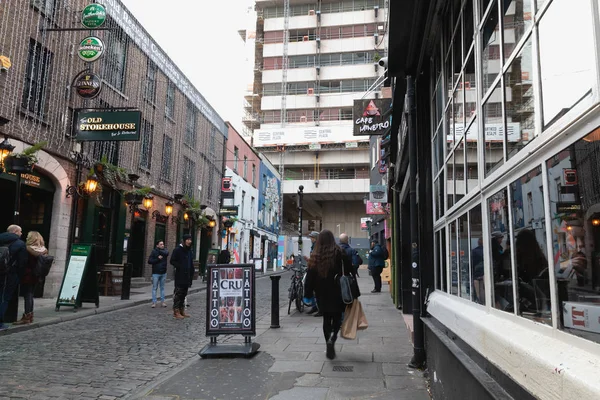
[[230, 299], [72, 281]]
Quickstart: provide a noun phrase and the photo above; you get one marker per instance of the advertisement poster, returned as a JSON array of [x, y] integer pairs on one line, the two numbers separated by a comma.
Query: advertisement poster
[[375, 208], [71, 285], [364, 224], [230, 299]]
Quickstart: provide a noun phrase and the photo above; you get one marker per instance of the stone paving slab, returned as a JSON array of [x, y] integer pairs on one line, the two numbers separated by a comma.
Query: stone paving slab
[[306, 367]]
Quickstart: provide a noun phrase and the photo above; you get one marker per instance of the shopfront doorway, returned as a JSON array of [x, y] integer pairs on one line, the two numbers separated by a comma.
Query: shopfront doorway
[[137, 243]]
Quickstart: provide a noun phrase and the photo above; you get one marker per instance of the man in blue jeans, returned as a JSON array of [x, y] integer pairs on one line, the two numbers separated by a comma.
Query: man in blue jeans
[[18, 257], [158, 260]]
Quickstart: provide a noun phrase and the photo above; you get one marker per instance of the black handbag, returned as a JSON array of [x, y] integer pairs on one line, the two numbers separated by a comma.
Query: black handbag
[[349, 287]]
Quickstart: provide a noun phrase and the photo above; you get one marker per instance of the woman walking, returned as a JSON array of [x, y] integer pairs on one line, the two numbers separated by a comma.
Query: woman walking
[[324, 268], [35, 248]]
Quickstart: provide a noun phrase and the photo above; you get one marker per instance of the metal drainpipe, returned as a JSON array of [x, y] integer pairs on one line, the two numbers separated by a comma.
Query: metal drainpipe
[[418, 359]]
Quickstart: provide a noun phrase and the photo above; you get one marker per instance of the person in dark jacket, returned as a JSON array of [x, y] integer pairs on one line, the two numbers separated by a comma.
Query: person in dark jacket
[[158, 260], [376, 265], [19, 256], [324, 266], [35, 248], [349, 251], [182, 260]]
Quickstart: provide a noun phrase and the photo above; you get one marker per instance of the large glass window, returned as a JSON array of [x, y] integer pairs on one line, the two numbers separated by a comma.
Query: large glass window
[[502, 284], [517, 19], [529, 229], [476, 253], [463, 258], [490, 39], [574, 190], [453, 257], [567, 51], [493, 128], [520, 95]]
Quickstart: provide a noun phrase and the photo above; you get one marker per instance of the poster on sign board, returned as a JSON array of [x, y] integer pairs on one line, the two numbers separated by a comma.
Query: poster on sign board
[[230, 299]]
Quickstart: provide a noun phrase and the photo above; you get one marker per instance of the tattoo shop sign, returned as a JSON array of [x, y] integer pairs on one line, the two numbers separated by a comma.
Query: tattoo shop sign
[[106, 125], [230, 299], [371, 116]]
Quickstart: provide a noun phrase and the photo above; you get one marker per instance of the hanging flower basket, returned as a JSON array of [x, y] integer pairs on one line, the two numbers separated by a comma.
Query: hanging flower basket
[[17, 164], [134, 198]]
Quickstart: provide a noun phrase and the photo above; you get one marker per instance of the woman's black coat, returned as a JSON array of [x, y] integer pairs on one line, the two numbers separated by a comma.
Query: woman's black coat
[[327, 289]]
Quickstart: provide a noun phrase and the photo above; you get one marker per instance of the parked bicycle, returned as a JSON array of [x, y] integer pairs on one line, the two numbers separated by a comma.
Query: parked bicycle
[[296, 289]]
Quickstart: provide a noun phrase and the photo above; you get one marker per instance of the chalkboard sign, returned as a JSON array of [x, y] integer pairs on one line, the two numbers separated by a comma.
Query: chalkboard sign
[[74, 279], [230, 299]]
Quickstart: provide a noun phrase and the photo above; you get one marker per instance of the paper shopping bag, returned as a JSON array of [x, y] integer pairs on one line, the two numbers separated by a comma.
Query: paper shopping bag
[[350, 323], [362, 318]]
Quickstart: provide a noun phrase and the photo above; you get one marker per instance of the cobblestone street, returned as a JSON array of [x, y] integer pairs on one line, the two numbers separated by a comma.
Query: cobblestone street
[[108, 355]]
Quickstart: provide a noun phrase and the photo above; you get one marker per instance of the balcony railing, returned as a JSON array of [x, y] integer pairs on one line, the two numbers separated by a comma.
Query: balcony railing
[[325, 175]]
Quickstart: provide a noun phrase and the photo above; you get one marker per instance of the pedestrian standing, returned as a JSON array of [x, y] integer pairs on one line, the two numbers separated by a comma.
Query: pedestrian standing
[[35, 248], [158, 260], [324, 268], [376, 265], [10, 241], [182, 260], [313, 239]]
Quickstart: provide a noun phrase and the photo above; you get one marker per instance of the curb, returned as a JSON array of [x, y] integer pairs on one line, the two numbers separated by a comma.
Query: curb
[[96, 311]]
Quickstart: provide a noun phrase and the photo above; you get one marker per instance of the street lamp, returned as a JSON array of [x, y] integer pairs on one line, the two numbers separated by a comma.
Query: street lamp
[[148, 201], [169, 208], [5, 149], [91, 184]]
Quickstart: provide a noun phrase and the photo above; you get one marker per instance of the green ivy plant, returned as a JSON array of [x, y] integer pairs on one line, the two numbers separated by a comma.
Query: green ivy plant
[[109, 173], [195, 212], [30, 153], [141, 191]]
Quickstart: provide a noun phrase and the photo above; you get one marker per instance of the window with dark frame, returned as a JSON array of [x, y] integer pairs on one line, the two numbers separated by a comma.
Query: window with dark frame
[[165, 171], [146, 146], [245, 167], [213, 137], [114, 61], [170, 102], [253, 174], [187, 185], [190, 126], [36, 84], [46, 7], [236, 156], [151, 72]]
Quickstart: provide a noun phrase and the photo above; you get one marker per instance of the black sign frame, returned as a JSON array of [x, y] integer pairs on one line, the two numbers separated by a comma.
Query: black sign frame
[[228, 211], [121, 119], [371, 125], [214, 306]]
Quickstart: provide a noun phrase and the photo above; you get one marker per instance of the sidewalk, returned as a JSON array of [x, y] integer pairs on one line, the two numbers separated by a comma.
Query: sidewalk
[[291, 362], [45, 314]]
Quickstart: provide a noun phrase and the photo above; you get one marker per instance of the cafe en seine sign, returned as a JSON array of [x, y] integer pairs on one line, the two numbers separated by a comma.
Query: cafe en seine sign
[[106, 125]]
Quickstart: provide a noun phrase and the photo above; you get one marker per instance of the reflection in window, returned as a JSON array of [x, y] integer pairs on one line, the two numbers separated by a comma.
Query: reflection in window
[[517, 18], [529, 228], [574, 185], [459, 171], [520, 104], [491, 49], [493, 125], [453, 258], [500, 252], [463, 258], [471, 157], [476, 260], [444, 262], [566, 57]]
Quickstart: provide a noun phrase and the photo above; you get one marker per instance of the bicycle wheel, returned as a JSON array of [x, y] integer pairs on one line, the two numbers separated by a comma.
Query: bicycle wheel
[[299, 297], [292, 297]]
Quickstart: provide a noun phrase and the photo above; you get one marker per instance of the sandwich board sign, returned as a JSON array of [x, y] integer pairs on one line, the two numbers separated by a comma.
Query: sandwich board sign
[[78, 285], [230, 308]]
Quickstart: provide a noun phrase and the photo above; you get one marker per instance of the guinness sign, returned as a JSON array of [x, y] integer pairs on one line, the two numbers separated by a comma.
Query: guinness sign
[[88, 86]]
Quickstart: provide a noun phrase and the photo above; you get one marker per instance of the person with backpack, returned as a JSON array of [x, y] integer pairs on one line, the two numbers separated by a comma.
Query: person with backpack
[[35, 248], [158, 260], [13, 258], [377, 257], [351, 253]]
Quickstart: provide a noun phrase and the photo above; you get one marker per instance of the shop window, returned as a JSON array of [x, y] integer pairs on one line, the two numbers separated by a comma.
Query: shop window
[[575, 209], [476, 262], [453, 236], [490, 39], [464, 278], [502, 285], [529, 229], [444, 263], [493, 127], [520, 100], [567, 71], [439, 262]]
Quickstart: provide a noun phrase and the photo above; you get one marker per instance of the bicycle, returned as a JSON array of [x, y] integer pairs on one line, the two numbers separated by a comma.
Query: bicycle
[[296, 289]]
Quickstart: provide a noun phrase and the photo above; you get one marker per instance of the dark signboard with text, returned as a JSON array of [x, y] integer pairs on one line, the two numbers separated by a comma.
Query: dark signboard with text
[[230, 299], [371, 116], [106, 125]]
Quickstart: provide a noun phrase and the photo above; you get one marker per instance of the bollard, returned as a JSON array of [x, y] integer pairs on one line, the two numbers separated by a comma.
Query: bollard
[[126, 283], [275, 301]]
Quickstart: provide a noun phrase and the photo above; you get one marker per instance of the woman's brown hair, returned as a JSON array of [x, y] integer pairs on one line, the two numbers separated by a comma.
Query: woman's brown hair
[[324, 254]]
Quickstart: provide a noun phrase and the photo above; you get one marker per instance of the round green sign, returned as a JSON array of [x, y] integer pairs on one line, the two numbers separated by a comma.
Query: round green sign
[[93, 16], [90, 49]]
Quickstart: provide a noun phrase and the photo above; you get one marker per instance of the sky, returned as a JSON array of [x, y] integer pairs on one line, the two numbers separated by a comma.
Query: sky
[[201, 37]]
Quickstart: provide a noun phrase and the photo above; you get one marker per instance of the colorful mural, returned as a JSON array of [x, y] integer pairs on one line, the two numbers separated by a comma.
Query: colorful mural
[[268, 200]]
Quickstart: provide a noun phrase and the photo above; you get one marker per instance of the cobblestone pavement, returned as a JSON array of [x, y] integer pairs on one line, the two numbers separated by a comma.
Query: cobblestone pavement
[[109, 355]]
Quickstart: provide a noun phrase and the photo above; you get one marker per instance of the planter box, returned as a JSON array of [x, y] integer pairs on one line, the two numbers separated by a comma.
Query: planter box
[[17, 164], [133, 198]]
